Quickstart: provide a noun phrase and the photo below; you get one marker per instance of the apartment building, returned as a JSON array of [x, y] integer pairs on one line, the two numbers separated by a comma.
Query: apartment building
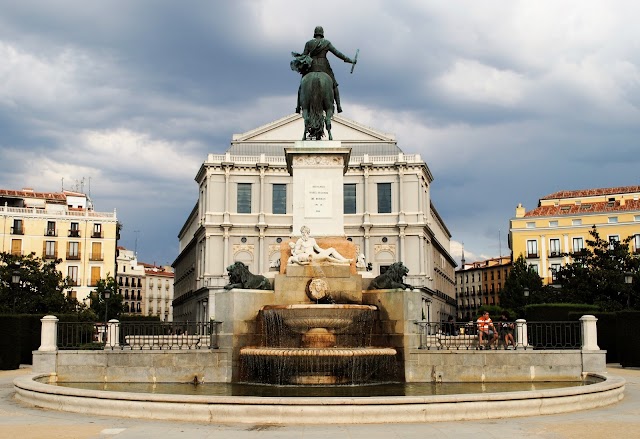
[[146, 289], [60, 225], [480, 283], [559, 226]]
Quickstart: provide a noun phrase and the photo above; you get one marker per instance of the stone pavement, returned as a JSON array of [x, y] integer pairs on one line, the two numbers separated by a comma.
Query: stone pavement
[[621, 420]]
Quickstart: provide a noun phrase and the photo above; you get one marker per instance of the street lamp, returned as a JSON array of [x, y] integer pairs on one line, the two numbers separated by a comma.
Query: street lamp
[[205, 302], [526, 295], [15, 281], [628, 279], [106, 294]]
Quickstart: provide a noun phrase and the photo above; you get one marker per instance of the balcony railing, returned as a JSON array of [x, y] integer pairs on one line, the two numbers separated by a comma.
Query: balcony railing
[[17, 230], [95, 234], [74, 233], [554, 254], [532, 255], [46, 255], [96, 257], [50, 232], [73, 256], [74, 282]]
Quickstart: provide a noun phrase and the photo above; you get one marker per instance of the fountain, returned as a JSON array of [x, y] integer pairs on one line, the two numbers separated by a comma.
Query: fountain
[[317, 344]]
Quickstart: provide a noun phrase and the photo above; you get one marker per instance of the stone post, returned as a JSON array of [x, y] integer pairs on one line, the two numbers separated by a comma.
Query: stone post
[[522, 337], [49, 334], [113, 334], [589, 333]]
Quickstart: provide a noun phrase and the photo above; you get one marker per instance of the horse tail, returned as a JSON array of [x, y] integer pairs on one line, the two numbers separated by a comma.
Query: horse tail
[[316, 116]]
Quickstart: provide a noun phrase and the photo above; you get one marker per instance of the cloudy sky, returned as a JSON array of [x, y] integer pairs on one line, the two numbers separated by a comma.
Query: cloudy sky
[[507, 101]]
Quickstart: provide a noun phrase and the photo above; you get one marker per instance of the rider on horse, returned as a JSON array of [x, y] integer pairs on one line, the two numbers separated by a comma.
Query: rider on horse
[[314, 59]]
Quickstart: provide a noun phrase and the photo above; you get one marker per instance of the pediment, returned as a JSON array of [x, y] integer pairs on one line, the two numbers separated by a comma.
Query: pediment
[[290, 129]]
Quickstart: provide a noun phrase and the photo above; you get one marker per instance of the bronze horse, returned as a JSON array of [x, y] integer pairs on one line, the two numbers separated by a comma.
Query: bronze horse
[[316, 98]]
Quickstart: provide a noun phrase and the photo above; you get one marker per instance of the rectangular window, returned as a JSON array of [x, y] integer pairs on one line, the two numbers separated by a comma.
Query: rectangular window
[[531, 225], [97, 231], [553, 223], [50, 250], [576, 222], [554, 271], [612, 219], [578, 245], [636, 244], [17, 227], [244, 198], [534, 268], [95, 276], [554, 248], [349, 198], [16, 247], [532, 248], [279, 199], [51, 228], [384, 197], [72, 274], [636, 217], [613, 239], [74, 230], [96, 251], [73, 250]]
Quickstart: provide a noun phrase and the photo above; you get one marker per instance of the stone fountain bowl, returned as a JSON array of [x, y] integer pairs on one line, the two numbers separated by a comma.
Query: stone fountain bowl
[[333, 317]]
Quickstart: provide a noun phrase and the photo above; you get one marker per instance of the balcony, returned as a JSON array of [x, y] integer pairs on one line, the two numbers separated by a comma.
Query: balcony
[[96, 234], [532, 255], [17, 230], [74, 282], [50, 232], [554, 254], [96, 257], [46, 255], [74, 233], [73, 256]]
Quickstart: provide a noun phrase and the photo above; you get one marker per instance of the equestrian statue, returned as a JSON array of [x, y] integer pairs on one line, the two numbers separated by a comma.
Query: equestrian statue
[[318, 87]]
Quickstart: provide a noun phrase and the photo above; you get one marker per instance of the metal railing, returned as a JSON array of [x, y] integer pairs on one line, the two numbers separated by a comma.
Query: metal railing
[[527, 335], [554, 335], [138, 335]]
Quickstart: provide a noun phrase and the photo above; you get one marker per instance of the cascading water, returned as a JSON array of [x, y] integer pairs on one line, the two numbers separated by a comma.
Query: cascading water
[[317, 344]]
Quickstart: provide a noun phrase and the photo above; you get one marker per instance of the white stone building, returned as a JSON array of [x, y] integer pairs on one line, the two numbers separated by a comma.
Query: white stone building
[[244, 211]]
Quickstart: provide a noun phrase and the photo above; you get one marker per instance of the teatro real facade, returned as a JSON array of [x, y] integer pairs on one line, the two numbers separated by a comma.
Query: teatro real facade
[[244, 211]]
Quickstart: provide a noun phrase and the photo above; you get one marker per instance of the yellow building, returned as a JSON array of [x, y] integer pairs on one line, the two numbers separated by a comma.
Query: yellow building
[[562, 221], [60, 225]]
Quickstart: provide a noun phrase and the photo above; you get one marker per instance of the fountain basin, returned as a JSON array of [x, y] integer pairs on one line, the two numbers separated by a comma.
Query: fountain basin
[[314, 410]]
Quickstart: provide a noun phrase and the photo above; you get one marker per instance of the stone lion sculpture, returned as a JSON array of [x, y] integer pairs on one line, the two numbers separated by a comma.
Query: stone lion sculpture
[[241, 277], [391, 279]]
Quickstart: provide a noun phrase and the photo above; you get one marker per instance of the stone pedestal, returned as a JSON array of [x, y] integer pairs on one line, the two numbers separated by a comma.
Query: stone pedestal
[[343, 287], [317, 168]]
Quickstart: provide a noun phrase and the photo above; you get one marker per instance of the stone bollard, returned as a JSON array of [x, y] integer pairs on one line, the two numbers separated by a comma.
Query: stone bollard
[[589, 333], [49, 334], [113, 334], [522, 337]]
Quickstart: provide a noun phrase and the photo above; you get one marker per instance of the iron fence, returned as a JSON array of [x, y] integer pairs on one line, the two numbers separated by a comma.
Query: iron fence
[[138, 335], [526, 335], [554, 335]]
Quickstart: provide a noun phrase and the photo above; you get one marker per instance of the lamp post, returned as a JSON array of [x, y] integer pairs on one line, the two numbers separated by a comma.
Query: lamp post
[[15, 281], [106, 294], [205, 302], [526, 296], [628, 279]]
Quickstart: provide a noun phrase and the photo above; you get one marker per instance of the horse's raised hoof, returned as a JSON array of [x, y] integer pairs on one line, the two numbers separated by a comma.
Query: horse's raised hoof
[[298, 110], [339, 108]]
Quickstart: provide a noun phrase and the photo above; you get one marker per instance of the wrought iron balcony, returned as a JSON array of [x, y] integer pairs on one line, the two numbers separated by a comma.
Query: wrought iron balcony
[[95, 234], [74, 233], [17, 230], [73, 256], [50, 232]]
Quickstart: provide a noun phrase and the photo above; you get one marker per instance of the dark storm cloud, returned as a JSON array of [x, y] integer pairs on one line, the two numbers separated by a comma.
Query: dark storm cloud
[[506, 102]]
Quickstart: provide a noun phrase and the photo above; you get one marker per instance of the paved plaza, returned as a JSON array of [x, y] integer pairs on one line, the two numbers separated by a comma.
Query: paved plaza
[[619, 420]]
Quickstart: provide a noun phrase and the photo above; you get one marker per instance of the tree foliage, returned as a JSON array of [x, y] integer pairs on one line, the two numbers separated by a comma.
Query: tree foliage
[[596, 275], [40, 289], [521, 277], [114, 305]]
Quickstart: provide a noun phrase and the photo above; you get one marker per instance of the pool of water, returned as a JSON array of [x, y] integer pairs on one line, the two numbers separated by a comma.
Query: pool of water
[[388, 389]]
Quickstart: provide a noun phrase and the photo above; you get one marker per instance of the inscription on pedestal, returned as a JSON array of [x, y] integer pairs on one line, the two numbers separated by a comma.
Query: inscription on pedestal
[[318, 199]]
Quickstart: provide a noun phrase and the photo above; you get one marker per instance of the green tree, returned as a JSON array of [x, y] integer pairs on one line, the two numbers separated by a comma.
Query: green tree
[[114, 304], [596, 275], [520, 277], [40, 289]]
